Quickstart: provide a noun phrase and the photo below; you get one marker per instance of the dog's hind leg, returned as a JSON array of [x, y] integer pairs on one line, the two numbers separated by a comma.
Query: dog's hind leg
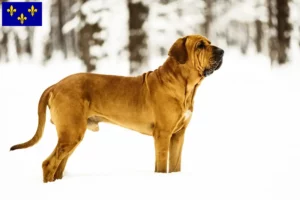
[[60, 170], [71, 126], [58, 159]]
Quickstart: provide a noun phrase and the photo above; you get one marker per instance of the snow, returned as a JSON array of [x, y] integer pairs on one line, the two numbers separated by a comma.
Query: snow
[[243, 140]]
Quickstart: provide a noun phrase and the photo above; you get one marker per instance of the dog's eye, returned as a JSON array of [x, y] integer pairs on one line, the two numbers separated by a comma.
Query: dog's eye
[[201, 45]]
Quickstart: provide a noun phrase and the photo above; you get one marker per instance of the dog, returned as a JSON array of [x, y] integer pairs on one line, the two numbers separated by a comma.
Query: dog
[[157, 103]]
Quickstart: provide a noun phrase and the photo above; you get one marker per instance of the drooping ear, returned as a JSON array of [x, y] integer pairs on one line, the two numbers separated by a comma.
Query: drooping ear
[[178, 51]]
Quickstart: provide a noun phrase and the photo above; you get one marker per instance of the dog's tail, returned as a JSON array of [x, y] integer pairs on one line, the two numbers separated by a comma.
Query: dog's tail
[[43, 102]]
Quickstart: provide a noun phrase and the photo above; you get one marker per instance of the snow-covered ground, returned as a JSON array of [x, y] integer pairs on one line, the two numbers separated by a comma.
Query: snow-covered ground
[[243, 141]]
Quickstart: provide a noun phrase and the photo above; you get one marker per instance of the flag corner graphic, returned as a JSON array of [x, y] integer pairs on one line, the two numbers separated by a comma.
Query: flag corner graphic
[[22, 13]]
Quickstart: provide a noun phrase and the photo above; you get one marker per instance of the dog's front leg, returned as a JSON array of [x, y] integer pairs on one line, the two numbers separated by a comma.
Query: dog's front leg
[[162, 143], [176, 144]]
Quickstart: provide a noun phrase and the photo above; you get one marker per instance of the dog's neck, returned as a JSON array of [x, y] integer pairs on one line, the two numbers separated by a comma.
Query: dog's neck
[[179, 78], [179, 73]]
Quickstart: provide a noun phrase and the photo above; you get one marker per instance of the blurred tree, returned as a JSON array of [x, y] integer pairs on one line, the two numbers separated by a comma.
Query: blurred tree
[[57, 41], [236, 31], [23, 42], [259, 35], [88, 29], [273, 44], [208, 15], [89, 37], [4, 45], [260, 26], [29, 40], [170, 19], [61, 13], [69, 36], [138, 14], [18, 45], [164, 13], [280, 30], [245, 40], [283, 30]]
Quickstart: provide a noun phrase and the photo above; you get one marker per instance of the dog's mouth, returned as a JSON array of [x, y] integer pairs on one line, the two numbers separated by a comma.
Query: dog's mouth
[[218, 65], [216, 62], [214, 66]]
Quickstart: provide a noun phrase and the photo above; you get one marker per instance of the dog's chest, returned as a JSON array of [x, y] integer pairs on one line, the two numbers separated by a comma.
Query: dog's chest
[[188, 110], [184, 120], [187, 114], [188, 107]]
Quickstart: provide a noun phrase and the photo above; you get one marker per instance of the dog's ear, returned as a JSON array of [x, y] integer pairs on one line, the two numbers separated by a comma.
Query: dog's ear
[[178, 51]]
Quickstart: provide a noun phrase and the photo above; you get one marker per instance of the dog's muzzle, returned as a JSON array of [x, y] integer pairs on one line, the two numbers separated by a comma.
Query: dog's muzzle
[[217, 60]]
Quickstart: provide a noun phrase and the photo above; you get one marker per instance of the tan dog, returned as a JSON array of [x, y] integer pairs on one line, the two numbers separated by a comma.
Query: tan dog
[[158, 103]]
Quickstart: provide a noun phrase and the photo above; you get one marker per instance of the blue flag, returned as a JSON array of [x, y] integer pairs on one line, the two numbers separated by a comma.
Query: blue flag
[[21, 13]]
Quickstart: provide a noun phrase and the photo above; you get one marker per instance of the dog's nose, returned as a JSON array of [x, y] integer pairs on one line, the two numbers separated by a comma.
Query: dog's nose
[[218, 51]]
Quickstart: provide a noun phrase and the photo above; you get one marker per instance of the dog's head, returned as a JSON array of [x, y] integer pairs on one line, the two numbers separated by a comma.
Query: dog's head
[[197, 51]]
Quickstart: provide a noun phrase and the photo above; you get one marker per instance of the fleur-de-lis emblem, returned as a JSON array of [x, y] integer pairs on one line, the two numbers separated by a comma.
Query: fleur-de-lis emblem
[[22, 18], [11, 10], [32, 10]]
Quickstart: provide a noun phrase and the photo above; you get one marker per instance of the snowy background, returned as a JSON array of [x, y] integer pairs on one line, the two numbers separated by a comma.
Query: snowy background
[[243, 141]]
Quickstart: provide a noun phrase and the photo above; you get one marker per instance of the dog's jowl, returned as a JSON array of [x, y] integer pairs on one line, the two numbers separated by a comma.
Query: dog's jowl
[[142, 103]]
